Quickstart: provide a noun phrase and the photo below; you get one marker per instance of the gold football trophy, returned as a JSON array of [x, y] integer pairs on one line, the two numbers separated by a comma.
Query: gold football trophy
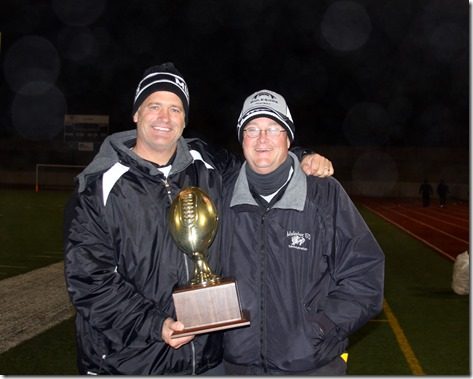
[[209, 302]]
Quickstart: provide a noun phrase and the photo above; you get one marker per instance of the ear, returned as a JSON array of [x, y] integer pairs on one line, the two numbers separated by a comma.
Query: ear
[[135, 117], [288, 141]]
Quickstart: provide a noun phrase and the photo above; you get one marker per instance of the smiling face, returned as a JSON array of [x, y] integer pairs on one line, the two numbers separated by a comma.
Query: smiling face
[[265, 153], [160, 121]]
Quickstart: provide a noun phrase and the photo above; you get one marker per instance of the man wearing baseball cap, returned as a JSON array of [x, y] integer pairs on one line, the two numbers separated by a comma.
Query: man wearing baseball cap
[[121, 263], [308, 269]]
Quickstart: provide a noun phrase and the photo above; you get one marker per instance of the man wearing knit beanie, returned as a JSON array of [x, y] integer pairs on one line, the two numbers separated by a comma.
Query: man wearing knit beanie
[[309, 271], [160, 111], [164, 77], [121, 263]]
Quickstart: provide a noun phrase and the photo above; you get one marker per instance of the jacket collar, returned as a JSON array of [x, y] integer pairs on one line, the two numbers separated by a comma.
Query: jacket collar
[[117, 148], [293, 198]]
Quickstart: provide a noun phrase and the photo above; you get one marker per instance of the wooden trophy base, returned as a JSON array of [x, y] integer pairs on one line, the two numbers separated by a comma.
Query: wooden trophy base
[[204, 309]]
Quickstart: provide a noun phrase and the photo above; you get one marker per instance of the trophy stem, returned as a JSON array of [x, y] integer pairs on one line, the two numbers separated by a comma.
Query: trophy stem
[[202, 273]]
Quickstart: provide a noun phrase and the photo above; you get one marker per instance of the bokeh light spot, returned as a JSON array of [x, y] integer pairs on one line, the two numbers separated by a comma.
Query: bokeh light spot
[[367, 124], [346, 26], [39, 117], [375, 174], [77, 43], [31, 59], [78, 12], [447, 41]]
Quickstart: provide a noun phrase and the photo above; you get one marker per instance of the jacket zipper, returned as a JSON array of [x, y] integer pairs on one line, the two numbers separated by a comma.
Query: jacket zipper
[[167, 186], [263, 340]]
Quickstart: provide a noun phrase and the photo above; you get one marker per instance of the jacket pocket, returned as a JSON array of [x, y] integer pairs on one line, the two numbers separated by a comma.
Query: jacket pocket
[[323, 335]]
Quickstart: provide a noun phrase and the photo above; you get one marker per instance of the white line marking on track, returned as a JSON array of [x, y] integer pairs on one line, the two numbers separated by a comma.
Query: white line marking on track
[[412, 234], [431, 227], [437, 219]]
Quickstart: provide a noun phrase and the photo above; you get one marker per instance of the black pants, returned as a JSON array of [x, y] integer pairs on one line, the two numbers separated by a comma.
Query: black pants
[[425, 201], [337, 367], [216, 371]]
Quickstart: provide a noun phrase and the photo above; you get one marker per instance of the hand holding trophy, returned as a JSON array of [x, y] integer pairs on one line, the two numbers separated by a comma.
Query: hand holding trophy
[[210, 302]]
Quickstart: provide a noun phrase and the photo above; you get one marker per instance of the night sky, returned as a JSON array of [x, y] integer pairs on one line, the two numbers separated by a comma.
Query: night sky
[[354, 72]]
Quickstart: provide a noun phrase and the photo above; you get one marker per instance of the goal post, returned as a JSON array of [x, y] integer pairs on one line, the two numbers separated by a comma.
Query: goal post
[[56, 175]]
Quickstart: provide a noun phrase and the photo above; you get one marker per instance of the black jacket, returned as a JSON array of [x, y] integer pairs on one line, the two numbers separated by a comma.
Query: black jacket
[[121, 263], [308, 269]]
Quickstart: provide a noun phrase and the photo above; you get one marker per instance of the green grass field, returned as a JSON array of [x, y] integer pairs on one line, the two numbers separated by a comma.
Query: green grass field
[[423, 330], [30, 230]]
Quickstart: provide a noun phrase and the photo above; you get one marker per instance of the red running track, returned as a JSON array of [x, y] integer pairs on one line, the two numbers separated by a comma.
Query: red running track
[[445, 230]]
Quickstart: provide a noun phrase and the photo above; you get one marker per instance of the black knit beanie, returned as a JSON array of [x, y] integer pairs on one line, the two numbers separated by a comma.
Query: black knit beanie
[[164, 77]]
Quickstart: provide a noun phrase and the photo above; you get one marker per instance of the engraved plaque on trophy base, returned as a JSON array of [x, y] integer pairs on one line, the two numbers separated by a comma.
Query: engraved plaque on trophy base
[[208, 308]]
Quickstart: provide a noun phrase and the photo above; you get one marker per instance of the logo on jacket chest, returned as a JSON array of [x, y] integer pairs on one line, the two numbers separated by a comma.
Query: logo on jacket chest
[[298, 240]]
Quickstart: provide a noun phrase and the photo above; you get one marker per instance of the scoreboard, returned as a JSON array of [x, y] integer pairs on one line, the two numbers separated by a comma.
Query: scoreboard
[[85, 132]]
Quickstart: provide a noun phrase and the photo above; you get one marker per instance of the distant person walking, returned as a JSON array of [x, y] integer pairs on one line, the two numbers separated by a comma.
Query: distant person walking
[[426, 191], [442, 192]]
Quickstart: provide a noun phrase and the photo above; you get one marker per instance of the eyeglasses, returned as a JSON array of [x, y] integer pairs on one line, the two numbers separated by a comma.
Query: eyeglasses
[[253, 132]]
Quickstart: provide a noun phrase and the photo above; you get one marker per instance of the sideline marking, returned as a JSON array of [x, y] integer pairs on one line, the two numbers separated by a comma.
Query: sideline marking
[[406, 349]]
